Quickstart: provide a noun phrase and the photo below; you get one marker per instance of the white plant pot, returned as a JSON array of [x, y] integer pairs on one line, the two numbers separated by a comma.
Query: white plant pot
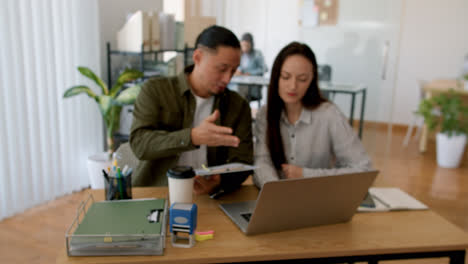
[[97, 163], [450, 150]]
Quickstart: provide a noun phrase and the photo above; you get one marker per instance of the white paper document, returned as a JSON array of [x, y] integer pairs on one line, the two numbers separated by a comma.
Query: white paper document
[[389, 199], [222, 169]]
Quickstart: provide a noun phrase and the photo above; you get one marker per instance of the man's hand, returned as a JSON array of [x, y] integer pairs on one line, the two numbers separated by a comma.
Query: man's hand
[[206, 185], [291, 171], [208, 133]]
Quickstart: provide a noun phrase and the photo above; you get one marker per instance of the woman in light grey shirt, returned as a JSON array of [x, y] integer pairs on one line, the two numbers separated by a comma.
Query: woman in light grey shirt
[[299, 133]]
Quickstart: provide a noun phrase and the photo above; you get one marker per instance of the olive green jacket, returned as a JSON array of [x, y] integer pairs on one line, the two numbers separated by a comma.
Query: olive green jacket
[[161, 127]]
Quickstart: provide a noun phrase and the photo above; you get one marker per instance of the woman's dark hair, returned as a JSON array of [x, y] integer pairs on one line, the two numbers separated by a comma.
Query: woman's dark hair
[[215, 36], [249, 38], [275, 105]]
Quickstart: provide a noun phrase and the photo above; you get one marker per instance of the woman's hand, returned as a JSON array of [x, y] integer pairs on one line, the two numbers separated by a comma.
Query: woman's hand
[[292, 171]]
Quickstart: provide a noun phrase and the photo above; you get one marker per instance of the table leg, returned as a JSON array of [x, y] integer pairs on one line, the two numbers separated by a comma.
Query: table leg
[[457, 257], [109, 72], [363, 105], [351, 114], [423, 139], [142, 59]]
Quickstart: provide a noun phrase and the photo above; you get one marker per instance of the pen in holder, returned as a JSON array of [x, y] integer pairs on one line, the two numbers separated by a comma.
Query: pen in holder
[[118, 187]]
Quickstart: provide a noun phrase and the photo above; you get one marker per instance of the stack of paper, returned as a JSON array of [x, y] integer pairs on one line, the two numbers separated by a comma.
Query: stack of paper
[[387, 199]]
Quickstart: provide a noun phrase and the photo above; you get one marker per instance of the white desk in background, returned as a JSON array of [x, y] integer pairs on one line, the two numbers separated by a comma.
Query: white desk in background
[[248, 81], [330, 88], [252, 80], [353, 90]]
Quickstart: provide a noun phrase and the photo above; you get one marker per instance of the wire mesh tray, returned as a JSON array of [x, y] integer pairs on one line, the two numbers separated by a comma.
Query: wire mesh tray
[[124, 227]]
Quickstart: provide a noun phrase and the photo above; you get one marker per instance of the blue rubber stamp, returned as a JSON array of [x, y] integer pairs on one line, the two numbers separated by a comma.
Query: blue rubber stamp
[[183, 222]]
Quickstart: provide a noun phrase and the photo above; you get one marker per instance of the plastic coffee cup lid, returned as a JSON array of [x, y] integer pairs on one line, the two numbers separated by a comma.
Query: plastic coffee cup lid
[[181, 172]]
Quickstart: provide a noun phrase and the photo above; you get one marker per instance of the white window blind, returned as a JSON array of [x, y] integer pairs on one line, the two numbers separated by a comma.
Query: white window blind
[[45, 139]]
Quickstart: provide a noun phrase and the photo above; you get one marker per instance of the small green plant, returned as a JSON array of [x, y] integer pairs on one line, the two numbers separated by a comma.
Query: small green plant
[[445, 111], [110, 102]]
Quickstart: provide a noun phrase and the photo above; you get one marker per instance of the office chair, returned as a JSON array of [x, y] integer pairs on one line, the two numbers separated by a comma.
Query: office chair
[[254, 92], [324, 72]]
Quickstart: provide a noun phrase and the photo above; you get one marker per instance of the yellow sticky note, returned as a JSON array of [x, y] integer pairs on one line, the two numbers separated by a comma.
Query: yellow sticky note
[[203, 237]]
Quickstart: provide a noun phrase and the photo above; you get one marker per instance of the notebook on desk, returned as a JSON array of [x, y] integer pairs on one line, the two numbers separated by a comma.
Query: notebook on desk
[[391, 199], [296, 203]]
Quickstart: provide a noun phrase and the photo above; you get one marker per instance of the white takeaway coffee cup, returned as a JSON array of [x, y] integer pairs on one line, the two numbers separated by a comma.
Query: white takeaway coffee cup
[[180, 179]]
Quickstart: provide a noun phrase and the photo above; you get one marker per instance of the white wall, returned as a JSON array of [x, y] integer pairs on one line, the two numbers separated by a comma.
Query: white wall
[[267, 21], [112, 16], [353, 47], [174, 7], [210, 8], [434, 43]]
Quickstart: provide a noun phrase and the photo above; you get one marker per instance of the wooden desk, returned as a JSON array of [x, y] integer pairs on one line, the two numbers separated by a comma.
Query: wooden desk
[[433, 88], [367, 237]]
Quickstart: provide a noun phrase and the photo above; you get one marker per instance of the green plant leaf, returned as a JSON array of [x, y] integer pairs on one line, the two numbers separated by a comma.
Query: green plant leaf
[[105, 104], [90, 74], [72, 91], [128, 96], [445, 111], [127, 76], [114, 120]]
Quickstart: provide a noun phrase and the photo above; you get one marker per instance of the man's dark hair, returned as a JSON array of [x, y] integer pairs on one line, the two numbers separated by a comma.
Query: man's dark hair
[[215, 36]]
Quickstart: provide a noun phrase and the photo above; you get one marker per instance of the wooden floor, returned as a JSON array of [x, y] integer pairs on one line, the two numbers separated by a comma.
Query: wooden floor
[[36, 236]]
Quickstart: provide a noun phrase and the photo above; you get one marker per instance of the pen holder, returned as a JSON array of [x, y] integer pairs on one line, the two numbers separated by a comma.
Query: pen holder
[[118, 188]]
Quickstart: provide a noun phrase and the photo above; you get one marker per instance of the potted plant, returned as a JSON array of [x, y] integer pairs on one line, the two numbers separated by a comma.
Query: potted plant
[[110, 103], [447, 112]]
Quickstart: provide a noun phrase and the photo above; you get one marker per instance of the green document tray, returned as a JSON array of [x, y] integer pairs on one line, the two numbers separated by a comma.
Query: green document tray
[[125, 227]]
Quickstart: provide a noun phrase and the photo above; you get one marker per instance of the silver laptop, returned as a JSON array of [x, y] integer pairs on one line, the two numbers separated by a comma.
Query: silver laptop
[[295, 203]]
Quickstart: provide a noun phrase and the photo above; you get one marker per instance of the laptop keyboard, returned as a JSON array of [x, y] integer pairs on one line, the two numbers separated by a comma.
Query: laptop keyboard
[[247, 216]]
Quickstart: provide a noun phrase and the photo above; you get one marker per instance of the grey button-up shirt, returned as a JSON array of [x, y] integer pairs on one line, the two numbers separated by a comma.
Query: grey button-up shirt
[[321, 142]]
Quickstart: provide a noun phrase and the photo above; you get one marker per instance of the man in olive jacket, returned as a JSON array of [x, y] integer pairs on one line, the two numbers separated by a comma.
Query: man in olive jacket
[[193, 119]]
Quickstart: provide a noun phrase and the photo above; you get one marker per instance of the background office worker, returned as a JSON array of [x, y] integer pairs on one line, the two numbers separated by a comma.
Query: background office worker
[[252, 63], [192, 119], [299, 133]]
